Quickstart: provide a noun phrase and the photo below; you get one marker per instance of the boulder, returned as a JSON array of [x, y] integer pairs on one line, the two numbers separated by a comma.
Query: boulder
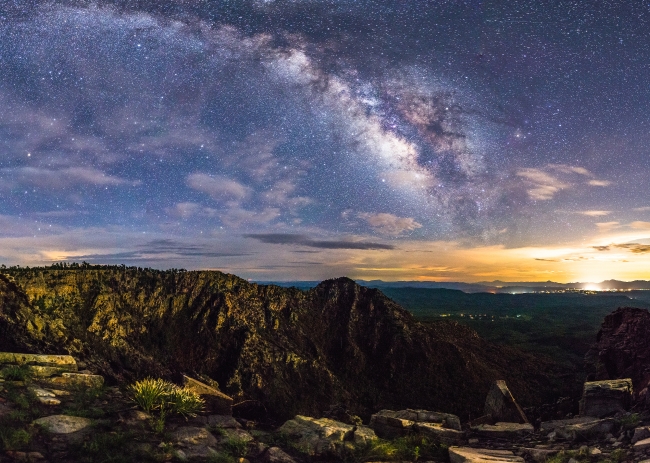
[[593, 429], [195, 442], [223, 421], [503, 430], [539, 455], [215, 401], [502, 406], [277, 455], [325, 437], [471, 455], [63, 424], [607, 397]]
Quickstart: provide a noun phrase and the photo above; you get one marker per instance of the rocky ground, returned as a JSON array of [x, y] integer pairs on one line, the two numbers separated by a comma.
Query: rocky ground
[[52, 410]]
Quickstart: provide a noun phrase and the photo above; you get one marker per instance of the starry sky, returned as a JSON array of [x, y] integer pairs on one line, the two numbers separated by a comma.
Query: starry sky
[[309, 139]]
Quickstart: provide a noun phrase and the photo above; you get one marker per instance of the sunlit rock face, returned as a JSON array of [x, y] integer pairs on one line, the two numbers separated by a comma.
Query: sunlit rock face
[[295, 352]]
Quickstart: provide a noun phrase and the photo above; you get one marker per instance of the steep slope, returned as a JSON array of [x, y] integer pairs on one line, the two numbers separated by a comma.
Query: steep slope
[[293, 351]]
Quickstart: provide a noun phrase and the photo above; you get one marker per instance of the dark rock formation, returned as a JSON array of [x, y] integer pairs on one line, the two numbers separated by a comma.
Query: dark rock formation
[[294, 352], [622, 349]]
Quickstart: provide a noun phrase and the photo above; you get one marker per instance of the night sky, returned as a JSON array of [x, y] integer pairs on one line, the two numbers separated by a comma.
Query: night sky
[[305, 139]]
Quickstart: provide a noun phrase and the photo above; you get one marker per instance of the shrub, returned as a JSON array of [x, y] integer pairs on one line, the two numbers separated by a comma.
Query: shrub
[[16, 373], [160, 395]]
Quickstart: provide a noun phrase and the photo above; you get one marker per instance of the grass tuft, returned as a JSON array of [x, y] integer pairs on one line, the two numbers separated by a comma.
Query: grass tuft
[[159, 395]]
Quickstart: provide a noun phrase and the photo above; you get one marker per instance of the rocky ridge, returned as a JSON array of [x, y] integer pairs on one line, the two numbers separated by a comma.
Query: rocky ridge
[[265, 345]]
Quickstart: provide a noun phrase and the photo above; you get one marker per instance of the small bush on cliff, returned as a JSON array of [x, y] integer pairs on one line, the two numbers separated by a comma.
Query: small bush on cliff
[[159, 395], [16, 373]]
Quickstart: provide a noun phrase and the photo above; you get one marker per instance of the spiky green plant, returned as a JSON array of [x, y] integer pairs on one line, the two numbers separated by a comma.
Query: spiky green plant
[[159, 395], [149, 394]]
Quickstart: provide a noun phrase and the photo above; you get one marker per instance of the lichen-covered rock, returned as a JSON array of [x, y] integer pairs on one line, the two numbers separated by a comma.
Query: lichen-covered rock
[[63, 424], [472, 455], [44, 396], [76, 380], [607, 397], [277, 455], [502, 406]]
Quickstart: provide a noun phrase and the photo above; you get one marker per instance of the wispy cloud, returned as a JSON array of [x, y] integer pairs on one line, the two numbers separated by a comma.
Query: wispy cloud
[[543, 186], [56, 179], [389, 224], [217, 187], [595, 213], [303, 240], [595, 182]]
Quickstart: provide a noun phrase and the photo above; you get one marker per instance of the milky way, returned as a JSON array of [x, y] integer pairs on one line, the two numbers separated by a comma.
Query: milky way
[[268, 136]]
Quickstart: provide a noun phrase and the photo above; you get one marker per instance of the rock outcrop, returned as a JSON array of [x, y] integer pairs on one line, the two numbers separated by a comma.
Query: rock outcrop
[[500, 405], [443, 427], [622, 350], [604, 398]]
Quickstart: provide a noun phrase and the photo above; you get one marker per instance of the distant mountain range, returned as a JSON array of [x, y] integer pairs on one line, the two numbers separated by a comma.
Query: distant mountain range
[[496, 286]]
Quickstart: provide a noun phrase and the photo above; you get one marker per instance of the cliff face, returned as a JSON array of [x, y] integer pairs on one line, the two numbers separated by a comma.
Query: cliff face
[[622, 349], [296, 352]]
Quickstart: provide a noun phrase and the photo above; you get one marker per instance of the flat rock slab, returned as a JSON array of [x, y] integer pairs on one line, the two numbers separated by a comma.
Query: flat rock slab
[[470, 455], [504, 430], [641, 433], [223, 421], [588, 430], [235, 434], [215, 400], [437, 432], [65, 362], [539, 455], [641, 445], [63, 424], [75, 380], [44, 396], [196, 442], [548, 426]]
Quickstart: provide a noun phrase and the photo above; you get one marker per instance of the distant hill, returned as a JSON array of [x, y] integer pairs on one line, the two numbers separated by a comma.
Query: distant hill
[[295, 351], [497, 286]]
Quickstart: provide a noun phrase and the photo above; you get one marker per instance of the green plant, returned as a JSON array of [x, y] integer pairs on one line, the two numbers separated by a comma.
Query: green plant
[[158, 422], [16, 373], [630, 421], [184, 401], [149, 393], [236, 447], [13, 438], [160, 395]]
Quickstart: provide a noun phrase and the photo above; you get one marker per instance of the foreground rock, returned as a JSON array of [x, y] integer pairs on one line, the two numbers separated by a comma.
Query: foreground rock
[[444, 427], [194, 441], [500, 405], [63, 424], [471, 455], [581, 428], [325, 437], [604, 398]]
